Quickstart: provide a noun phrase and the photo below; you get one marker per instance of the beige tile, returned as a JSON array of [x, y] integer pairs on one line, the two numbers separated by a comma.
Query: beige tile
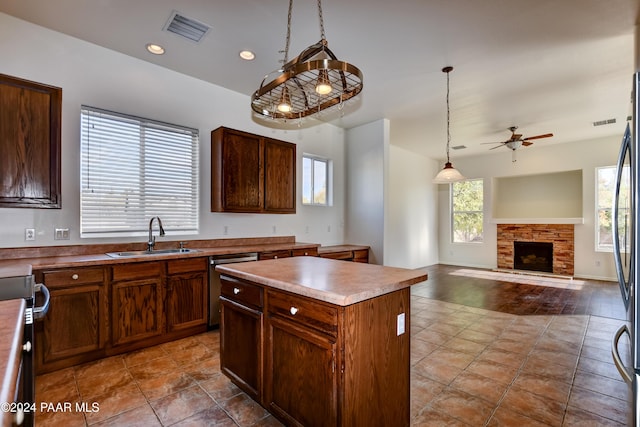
[[575, 417], [220, 388], [479, 386], [543, 386], [531, 405], [503, 374], [183, 404], [213, 416], [432, 418], [142, 416], [163, 385], [603, 385], [115, 402], [506, 418], [463, 406], [244, 410], [599, 404], [423, 391], [104, 382], [144, 356], [153, 368]]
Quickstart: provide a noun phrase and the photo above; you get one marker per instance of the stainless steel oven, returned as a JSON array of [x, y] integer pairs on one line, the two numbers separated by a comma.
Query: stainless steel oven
[[214, 281], [22, 286]]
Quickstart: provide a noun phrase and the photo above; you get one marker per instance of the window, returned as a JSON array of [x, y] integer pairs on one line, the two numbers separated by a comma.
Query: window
[[133, 169], [605, 194], [315, 180], [466, 210]]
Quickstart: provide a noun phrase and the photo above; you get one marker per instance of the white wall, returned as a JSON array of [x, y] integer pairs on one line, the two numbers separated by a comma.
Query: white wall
[[411, 226], [367, 149], [584, 155], [102, 78]]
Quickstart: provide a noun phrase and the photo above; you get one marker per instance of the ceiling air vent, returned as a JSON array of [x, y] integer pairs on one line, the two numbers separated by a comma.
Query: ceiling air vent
[[604, 122], [186, 27], [458, 147]]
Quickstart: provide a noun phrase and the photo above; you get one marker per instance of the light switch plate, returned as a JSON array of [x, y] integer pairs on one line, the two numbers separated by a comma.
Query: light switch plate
[[61, 234], [400, 324], [29, 234]]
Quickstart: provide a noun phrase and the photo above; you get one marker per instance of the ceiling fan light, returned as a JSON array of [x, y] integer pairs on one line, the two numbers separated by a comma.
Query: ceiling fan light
[[323, 86], [448, 174]]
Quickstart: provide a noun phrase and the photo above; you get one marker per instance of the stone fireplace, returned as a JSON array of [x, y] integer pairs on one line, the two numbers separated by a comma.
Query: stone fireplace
[[560, 236]]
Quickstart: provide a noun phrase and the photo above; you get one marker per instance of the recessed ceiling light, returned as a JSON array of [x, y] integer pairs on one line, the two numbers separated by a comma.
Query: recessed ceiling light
[[156, 49], [247, 55]]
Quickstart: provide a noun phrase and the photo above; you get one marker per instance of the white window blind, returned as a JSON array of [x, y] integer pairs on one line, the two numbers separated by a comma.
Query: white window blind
[[133, 169]]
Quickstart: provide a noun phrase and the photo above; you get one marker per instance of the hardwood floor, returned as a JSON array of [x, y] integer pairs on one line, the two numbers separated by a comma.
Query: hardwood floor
[[522, 294], [486, 350]]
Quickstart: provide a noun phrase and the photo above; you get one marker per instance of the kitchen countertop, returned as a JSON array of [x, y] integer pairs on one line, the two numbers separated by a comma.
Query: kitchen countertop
[[89, 259], [336, 282], [11, 330]]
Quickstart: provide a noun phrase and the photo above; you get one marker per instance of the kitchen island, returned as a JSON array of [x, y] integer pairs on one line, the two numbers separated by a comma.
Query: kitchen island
[[319, 341]]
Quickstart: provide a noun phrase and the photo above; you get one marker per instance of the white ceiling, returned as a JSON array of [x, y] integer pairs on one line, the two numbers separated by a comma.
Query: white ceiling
[[543, 65]]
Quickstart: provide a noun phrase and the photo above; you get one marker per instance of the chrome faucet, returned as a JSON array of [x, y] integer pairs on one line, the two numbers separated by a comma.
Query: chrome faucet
[[152, 240]]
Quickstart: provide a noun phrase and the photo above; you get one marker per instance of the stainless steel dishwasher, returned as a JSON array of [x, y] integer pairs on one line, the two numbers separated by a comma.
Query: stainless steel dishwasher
[[214, 281]]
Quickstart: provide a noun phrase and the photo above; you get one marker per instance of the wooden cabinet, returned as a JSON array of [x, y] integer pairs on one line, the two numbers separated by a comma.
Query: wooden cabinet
[[30, 130], [251, 173], [187, 293], [302, 358], [284, 253], [318, 364], [75, 327], [305, 252], [137, 293], [353, 253], [241, 335]]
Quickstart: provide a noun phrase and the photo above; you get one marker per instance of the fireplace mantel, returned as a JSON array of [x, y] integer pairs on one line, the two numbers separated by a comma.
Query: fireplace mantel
[[537, 220]]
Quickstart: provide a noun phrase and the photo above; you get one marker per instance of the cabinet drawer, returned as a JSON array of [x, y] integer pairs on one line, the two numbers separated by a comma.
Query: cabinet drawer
[[343, 255], [189, 265], [305, 252], [137, 270], [241, 292], [274, 254], [323, 317], [73, 276], [361, 255]]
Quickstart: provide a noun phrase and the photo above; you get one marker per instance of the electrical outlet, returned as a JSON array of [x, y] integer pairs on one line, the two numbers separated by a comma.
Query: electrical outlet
[[29, 234], [400, 324]]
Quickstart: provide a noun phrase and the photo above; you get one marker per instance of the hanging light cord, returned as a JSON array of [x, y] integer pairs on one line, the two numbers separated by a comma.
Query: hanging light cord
[[288, 41], [322, 36], [448, 117]]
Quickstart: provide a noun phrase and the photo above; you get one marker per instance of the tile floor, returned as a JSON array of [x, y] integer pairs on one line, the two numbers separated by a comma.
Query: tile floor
[[471, 366]]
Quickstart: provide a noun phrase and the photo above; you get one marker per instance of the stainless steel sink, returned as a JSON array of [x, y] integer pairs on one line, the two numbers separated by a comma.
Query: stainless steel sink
[[150, 253]]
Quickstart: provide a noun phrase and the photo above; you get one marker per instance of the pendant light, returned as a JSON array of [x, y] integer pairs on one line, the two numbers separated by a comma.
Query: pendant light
[[448, 173], [313, 81]]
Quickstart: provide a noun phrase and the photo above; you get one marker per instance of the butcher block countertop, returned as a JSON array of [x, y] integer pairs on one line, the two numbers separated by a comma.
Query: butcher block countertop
[[11, 330], [336, 282]]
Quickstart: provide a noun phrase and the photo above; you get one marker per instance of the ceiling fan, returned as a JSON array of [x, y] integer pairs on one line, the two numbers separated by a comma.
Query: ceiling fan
[[516, 141]]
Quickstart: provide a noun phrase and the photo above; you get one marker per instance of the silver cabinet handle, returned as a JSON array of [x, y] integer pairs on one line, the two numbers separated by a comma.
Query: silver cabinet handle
[[616, 355], [293, 311], [236, 291]]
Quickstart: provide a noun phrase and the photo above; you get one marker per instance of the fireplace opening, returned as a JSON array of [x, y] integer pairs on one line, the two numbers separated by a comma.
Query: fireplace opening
[[534, 256]]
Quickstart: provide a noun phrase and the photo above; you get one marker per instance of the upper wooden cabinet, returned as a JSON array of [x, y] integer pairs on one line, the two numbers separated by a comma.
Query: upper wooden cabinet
[[252, 173], [30, 129]]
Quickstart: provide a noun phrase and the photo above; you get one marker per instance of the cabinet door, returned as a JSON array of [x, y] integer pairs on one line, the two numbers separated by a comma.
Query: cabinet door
[[301, 379], [187, 301], [279, 176], [241, 346], [236, 171], [75, 323], [136, 310], [30, 118]]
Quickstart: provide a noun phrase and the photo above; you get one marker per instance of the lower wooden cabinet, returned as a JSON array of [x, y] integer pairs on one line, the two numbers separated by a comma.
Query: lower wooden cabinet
[[75, 327], [241, 335], [187, 293], [301, 377], [313, 363], [106, 310], [137, 294]]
